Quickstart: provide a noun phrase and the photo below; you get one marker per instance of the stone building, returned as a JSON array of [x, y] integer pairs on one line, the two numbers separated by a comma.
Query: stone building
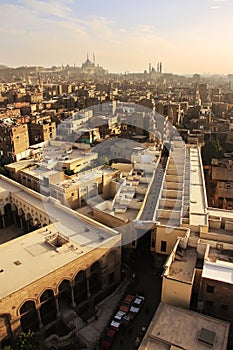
[[14, 141], [174, 328], [65, 260], [41, 131]]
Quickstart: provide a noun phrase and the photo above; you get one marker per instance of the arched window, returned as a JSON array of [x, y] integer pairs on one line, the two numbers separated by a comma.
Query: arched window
[[8, 214], [95, 280], [29, 316], [64, 293], [80, 287], [48, 311]]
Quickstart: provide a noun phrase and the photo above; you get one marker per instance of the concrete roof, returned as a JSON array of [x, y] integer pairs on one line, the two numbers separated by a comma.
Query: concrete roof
[[218, 271], [83, 233], [198, 201], [180, 328], [228, 214], [183, 270]]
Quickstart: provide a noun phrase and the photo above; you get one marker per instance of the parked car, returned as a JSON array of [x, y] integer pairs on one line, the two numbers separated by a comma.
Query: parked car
[[116, 322], [127, 302], [137, 304], [108, 338], [126, 320]]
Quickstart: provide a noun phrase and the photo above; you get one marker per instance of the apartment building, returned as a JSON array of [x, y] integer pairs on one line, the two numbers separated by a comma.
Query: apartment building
[[14, 141]]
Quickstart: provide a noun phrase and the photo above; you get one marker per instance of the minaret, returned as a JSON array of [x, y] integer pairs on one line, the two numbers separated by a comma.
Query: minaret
[[94, 58]]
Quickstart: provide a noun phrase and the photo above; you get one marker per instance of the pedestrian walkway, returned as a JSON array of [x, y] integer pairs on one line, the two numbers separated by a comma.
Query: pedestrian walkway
[[90, 334]]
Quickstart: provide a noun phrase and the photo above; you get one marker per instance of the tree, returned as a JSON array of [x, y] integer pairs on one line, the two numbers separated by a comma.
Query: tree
[[30, 341], [211, 149]]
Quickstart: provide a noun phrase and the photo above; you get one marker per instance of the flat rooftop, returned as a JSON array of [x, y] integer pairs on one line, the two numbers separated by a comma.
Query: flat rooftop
[[87, 176], [198, 201], [218, 270], [183, 269], [227, 214], [83, 233], [180, 328]]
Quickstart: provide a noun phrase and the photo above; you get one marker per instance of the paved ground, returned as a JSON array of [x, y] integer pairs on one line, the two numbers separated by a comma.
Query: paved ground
[[150, 282], [146, 280]]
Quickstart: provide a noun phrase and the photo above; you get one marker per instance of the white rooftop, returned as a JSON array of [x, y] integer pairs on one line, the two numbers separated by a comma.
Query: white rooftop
[[198, 201], [219, 270]]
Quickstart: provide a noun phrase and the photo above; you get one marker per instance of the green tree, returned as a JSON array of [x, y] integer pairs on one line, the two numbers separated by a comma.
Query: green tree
[[211, 149], [30, 341]]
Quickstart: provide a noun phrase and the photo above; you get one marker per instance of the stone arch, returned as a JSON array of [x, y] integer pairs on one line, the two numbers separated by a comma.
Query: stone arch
[[48, 308], [37, 223], [111, 266], [95, 279], [29, 316], [20, 211], [19, 215], [80, 287], [8, 214], [64, 293]]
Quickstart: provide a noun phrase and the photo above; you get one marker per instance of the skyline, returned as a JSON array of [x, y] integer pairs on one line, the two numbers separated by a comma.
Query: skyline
[[186, 37]]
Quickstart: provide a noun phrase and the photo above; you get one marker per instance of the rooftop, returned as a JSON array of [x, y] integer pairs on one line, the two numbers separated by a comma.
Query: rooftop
[[183, 265], [198, 202], [81, 233], [218, 270], [177, 328]]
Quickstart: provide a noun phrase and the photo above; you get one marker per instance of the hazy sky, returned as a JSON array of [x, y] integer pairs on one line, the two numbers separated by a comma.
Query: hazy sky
[[188, 36]]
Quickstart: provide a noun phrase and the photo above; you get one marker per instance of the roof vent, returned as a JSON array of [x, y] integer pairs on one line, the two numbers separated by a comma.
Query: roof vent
[[17, 262], [207, 337]]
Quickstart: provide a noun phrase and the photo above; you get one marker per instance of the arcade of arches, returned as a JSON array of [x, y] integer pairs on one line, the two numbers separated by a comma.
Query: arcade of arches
[[23, 216], [85, 288]]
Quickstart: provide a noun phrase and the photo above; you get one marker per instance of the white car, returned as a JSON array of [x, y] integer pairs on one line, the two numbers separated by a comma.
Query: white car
[[116, 322], [137, 304]]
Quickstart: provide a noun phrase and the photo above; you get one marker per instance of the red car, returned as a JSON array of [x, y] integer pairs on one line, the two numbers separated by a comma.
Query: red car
[[107, 340], [125, 305]]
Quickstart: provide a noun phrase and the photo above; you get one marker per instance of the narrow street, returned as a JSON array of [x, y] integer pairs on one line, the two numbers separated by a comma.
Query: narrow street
[[148, 281]]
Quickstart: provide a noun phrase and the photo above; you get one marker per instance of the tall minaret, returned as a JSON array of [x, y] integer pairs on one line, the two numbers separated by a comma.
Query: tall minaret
[[94, 58], [160, 67]]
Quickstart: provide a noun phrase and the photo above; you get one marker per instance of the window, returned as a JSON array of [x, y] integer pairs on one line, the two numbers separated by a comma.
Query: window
[[152, 244], [163, 246], [210, 289], [224, 307]]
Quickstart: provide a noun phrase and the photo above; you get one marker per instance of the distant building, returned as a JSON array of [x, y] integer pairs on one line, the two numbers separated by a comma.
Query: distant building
[[42, 130], [14, 141], [90, 68]]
